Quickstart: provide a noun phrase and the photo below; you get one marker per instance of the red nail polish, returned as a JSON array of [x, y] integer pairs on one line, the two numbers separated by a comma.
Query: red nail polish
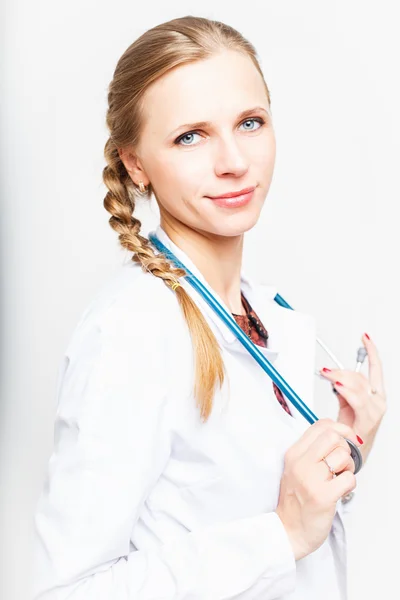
[[326, 370], [367, 336], [360, 440], [338, 383]]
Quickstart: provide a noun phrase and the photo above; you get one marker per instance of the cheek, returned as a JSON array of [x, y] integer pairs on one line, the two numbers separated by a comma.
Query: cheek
[[264, 156], [185, 175], [187, 185]]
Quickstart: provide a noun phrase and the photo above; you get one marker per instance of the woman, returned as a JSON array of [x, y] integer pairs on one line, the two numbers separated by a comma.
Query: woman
[[179, 470]]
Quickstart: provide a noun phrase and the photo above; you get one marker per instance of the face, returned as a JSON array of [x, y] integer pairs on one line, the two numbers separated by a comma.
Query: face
[[187, 164]]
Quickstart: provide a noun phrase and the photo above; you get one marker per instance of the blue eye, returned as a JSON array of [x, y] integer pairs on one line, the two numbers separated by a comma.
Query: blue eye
[[253, 121], [182, 137], [191, 133]]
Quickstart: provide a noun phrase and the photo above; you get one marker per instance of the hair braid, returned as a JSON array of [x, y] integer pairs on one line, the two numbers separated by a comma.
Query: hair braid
[[120, 203]]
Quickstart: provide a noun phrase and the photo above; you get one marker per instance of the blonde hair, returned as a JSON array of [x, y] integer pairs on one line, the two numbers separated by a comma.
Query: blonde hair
[[157, 51]]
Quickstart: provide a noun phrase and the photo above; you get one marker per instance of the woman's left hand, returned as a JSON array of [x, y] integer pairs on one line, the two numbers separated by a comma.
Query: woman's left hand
[[359, 408]]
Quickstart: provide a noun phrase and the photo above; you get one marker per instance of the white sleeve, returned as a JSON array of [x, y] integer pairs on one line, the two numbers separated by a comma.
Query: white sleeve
[[111, 443]]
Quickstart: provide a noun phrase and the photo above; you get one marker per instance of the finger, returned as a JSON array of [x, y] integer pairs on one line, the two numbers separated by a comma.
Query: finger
[[331, 374], [322, 426], [324, 444], [351, 379], [339, 486], [339, 460], [375, 374], [355, 400]]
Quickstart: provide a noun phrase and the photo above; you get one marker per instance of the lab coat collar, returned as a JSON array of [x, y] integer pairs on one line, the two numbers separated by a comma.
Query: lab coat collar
[[257, 295]]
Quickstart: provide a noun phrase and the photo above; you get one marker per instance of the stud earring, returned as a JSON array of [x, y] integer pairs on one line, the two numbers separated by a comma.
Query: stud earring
[[142, 187]]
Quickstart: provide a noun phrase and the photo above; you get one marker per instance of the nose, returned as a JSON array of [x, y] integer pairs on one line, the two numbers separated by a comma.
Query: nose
[[230, 158]]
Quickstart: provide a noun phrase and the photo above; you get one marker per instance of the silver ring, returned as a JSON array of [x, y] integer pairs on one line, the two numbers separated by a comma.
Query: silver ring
[[329, 467]]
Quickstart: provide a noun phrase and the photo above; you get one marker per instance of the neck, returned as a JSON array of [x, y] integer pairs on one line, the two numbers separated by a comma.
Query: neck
[[218, 258]]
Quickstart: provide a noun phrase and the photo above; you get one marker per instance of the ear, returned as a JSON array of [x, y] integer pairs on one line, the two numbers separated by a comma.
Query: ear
[[133, 166]]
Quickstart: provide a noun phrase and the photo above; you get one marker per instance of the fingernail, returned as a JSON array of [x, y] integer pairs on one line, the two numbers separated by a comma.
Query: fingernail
[[367, 336], [338, 383], [360, 440], [326, 370]]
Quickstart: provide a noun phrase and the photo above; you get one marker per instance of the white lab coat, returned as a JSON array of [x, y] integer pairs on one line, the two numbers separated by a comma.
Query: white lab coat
[[143, 501]]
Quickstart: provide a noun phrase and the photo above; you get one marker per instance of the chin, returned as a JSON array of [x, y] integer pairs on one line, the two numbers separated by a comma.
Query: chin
[[235, 224]]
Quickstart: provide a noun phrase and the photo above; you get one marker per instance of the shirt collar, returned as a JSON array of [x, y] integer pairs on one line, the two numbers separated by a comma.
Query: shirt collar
[[250, 289]]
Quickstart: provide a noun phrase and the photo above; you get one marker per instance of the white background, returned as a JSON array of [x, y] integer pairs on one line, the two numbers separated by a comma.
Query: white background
[[328, 235]]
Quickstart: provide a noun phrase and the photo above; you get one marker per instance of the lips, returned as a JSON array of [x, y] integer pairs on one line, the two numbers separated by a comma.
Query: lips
[[233, 194], [233, 202]]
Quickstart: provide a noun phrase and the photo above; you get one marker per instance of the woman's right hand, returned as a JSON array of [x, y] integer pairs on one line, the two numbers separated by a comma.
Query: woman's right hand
[[309, 492]]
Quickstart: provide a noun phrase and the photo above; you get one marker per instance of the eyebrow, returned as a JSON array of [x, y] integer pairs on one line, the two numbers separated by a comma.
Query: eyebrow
[[201, 124]]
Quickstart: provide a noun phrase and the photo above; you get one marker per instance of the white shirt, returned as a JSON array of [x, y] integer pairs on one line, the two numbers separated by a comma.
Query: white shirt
[[144, 501]]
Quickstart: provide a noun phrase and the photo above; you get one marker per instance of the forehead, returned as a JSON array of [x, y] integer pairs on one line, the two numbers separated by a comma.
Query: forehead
[[213, 89]]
